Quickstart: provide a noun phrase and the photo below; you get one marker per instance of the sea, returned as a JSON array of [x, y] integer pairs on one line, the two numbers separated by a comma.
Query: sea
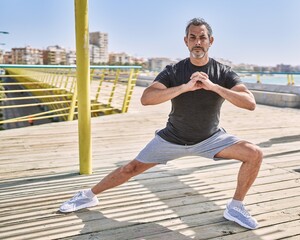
[[277, 79]]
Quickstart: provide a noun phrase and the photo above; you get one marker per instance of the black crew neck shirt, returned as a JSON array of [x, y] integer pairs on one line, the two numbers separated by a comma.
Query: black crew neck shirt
[[195, 115]]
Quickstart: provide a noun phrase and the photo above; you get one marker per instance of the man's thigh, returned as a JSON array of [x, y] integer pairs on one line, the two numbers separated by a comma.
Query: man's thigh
[[242, 150], [160, 151]]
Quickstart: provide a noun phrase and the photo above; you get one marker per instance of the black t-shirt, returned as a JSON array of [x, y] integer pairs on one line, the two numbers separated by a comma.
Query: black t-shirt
[[194, 115]]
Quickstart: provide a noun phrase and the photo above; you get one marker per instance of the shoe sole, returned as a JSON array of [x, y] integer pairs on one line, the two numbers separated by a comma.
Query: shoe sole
[[93, 204], [230, 218]]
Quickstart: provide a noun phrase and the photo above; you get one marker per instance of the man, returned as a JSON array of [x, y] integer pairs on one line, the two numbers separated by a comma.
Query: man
[[197, 87]]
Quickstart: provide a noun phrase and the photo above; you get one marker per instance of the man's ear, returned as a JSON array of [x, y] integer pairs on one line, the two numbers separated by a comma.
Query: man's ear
[[211, 40], [185, 41]]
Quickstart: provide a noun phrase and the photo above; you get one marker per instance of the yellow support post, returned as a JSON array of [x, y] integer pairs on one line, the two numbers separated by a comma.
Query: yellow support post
[[258, 78], [52, 80], [113, 88], [62, 78], [100, 84], [72, 87], [288, 79], [83, 85], [67, 79], [292, 79], [72, 105], [130, 85]]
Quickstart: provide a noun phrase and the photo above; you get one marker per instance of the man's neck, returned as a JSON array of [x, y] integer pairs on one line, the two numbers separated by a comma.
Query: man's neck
[[199, 62]]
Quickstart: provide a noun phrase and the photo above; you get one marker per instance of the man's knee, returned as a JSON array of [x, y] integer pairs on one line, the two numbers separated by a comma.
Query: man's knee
[[134, 167], [256, 154]]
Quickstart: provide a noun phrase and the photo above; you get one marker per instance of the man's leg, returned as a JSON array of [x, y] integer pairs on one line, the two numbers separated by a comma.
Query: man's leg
[[251, 157], [121, 175], [88, 198]]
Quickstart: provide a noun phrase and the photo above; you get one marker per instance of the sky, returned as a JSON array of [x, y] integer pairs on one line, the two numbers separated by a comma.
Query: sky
[[259, 32]]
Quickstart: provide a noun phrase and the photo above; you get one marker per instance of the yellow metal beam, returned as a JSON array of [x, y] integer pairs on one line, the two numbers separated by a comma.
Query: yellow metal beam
[[83, 86]]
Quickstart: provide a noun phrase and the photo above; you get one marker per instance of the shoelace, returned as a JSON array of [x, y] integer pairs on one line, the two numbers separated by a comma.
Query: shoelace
[[243, 211], [76, 196]]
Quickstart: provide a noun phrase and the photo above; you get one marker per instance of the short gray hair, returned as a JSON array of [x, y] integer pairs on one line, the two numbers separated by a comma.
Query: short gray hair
[[198, 22]]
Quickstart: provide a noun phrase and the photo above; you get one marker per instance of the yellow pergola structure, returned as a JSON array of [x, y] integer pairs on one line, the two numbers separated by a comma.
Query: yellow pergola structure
[[83, 85], [55, 85]]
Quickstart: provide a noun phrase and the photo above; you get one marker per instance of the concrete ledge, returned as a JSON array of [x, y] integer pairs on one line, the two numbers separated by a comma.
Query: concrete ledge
[[275, 95], [274, 88], [277, 99], [143, 82]]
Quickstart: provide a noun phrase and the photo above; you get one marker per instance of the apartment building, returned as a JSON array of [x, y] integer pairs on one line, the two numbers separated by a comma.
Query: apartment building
[[7, 58], [1, 56], [27, 55], [95, 55], [98, 47], [55, 55], [71, 57], [120, 58], [158, 64]]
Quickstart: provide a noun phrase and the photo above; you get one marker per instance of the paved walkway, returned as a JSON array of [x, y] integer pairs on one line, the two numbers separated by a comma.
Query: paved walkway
[[182, 200]]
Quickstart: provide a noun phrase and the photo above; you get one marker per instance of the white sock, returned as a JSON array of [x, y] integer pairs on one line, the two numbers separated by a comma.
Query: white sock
[[89, 194], [235, 203]]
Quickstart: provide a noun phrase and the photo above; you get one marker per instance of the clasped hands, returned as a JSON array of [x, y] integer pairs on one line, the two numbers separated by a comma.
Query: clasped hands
[[200, 80]]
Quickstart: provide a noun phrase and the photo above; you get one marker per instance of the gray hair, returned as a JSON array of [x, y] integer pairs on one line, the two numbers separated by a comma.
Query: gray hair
[[198, 22]]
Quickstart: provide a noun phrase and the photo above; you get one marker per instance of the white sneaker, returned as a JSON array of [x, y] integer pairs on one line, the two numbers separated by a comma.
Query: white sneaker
[[79, 201], [241, 216]]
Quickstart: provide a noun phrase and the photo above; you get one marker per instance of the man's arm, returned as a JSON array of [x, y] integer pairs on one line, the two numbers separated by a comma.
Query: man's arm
[[238, 95], [159, 93]]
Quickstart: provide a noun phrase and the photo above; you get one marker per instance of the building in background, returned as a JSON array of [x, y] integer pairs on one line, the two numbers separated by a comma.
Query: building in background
[[55, 55], [95, 55], [158, 64], [224, 61], [1, 56], [7, 58], [283, 68], [27, 55], [120, 58], [71, 57], [98, 47]]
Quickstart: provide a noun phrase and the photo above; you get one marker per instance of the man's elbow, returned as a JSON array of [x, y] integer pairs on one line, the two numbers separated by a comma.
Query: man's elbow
[[251, 106], [251, 103], [144, 101]]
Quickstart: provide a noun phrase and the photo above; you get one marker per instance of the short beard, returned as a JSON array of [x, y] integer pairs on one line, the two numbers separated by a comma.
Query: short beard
[[200, 55]]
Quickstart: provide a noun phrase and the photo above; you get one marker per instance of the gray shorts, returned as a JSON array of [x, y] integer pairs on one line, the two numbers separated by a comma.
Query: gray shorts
[[161, 151]]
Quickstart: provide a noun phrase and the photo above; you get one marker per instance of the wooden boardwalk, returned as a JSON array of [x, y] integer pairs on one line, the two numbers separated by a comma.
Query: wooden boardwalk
[[183, 200]]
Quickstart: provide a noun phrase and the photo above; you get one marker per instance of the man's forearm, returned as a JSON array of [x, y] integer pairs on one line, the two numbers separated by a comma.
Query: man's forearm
[[152, 96], [242, 99]]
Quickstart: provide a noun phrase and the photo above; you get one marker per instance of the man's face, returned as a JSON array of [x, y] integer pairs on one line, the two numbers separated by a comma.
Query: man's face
[[198, 41]]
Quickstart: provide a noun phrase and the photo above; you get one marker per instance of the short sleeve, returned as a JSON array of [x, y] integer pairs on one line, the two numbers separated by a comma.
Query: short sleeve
[[164, 76], [231, 79]]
